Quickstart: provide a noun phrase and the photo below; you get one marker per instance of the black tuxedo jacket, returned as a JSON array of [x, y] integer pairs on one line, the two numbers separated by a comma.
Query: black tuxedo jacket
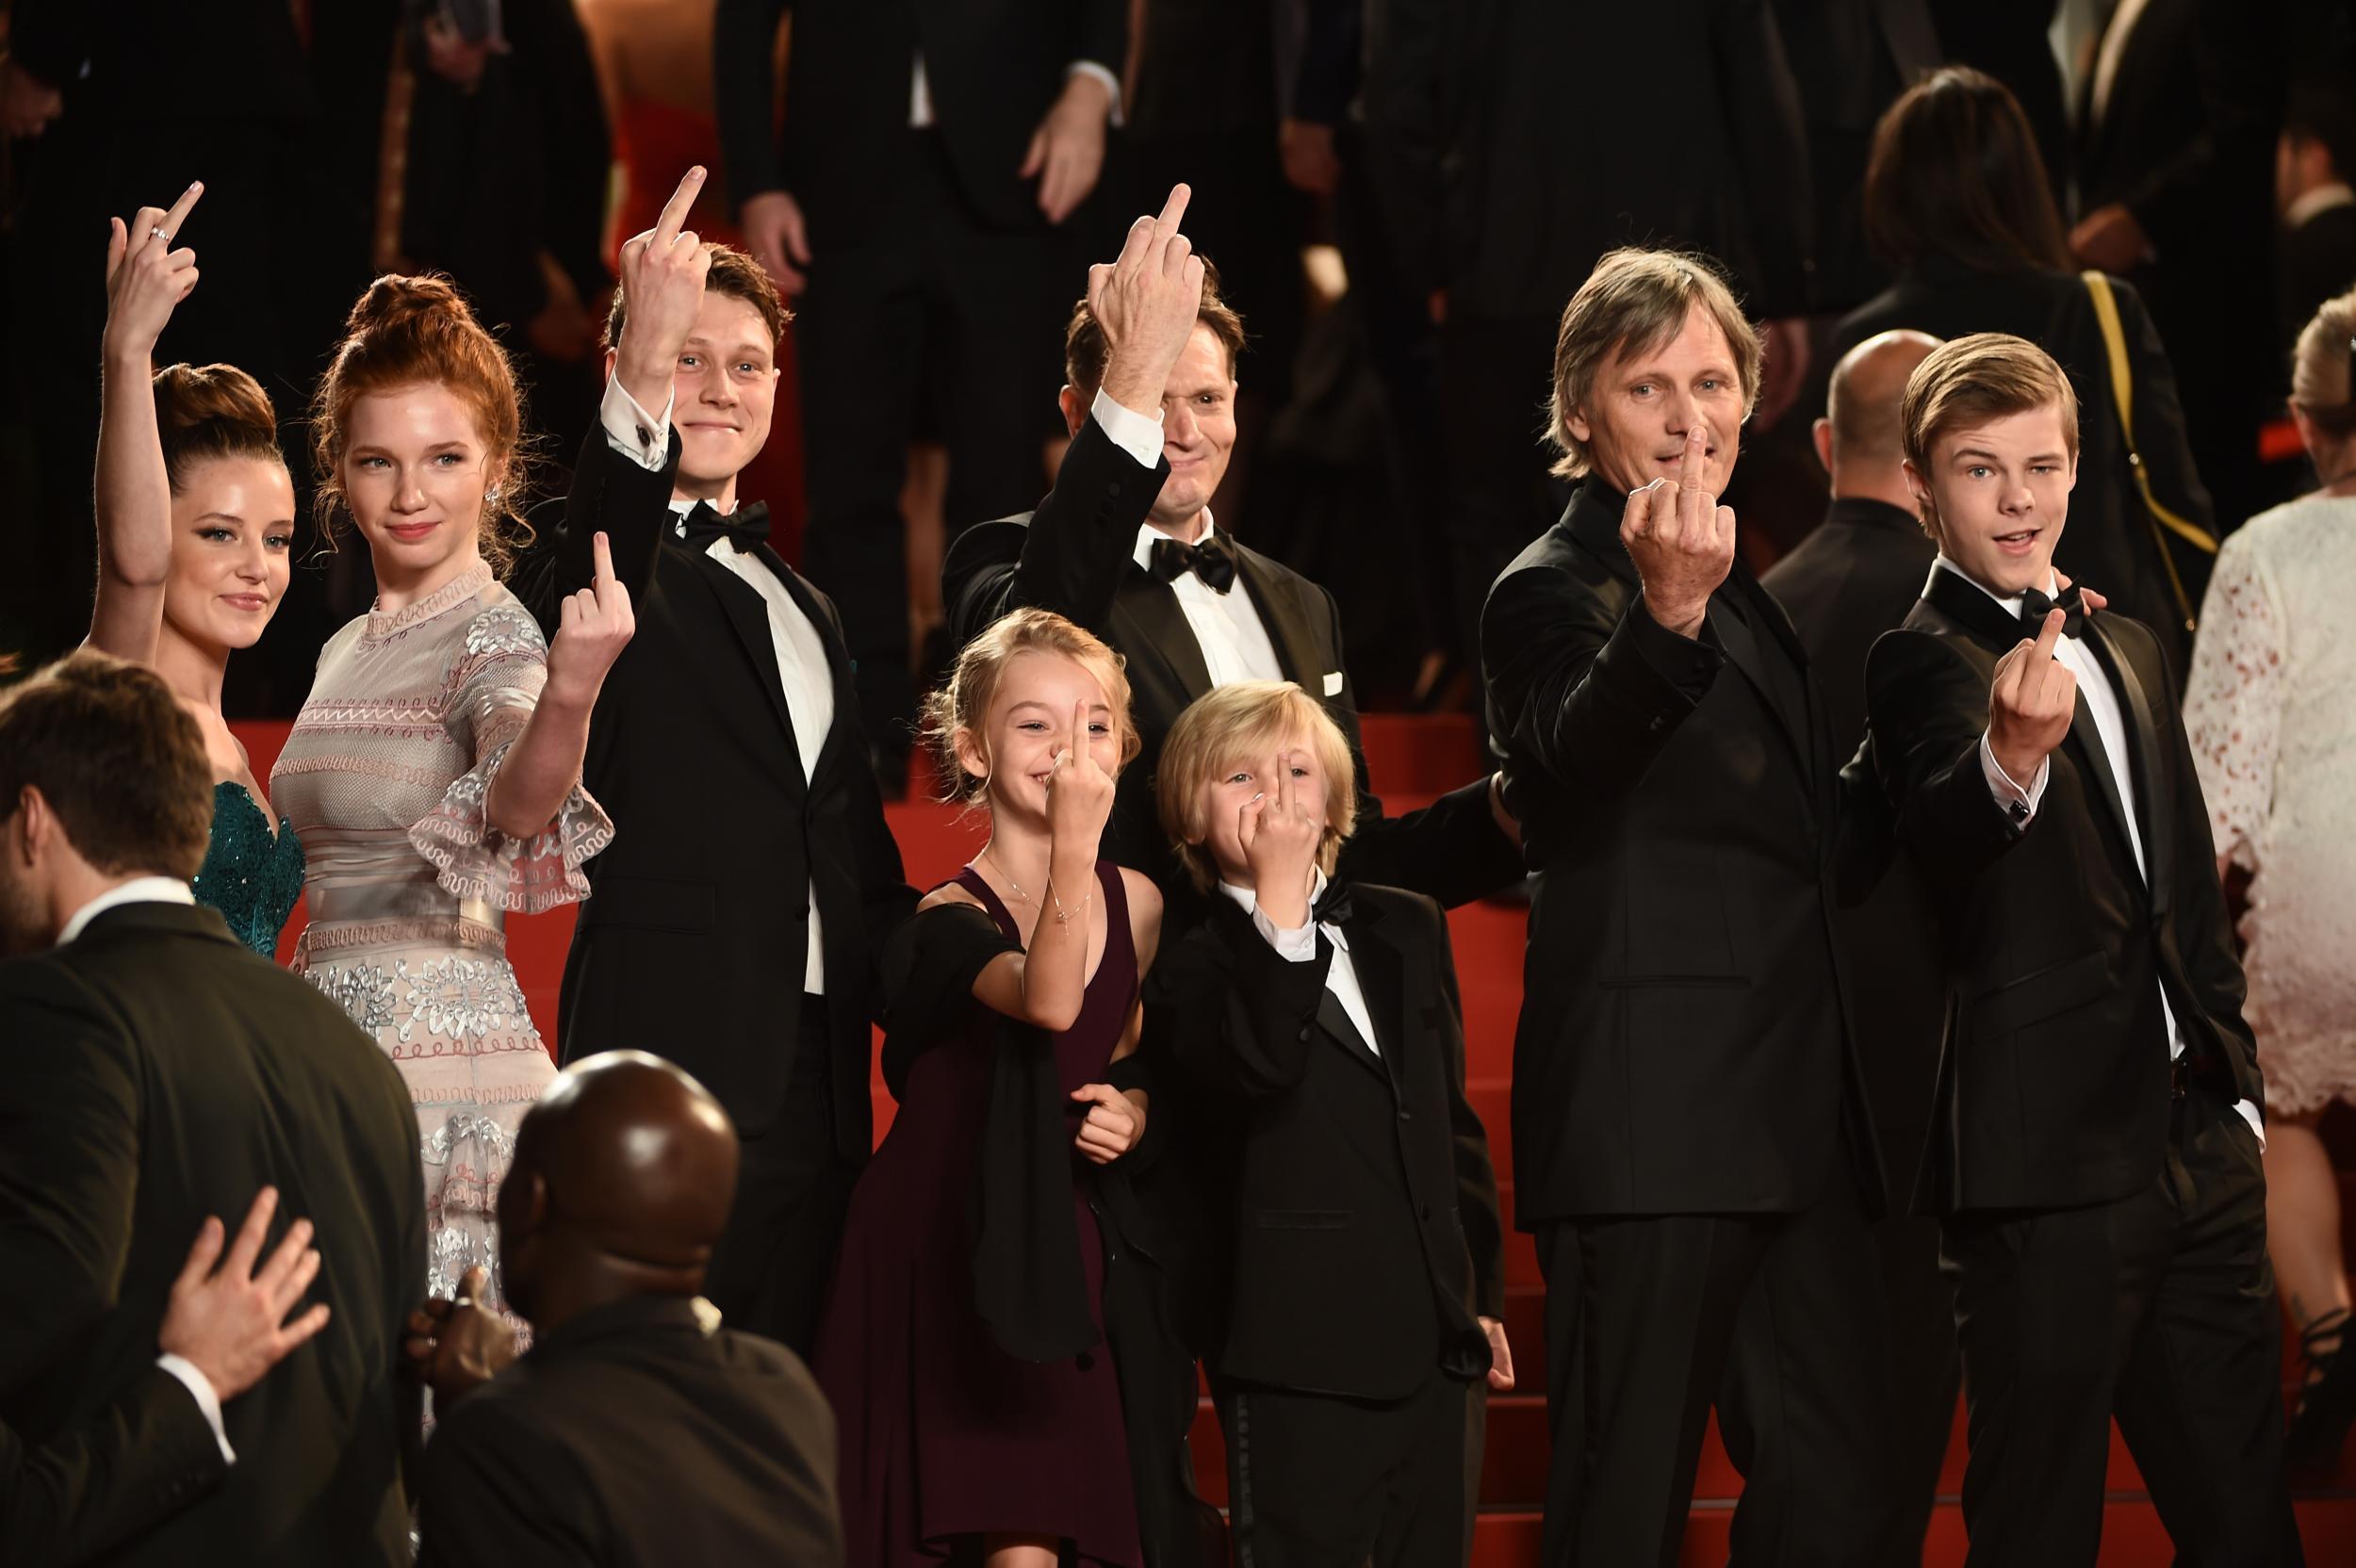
[[2053, 1081], [1857, 576], [134, 1463], [693, 941], [629, 1438], [1366, 1238], [1683, 1046], [159, 1072], [994, 67], [1077, 556]]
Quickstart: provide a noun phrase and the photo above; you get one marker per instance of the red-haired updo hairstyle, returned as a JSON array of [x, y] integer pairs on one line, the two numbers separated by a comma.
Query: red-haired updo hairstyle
[[406, 331], [203, 412]]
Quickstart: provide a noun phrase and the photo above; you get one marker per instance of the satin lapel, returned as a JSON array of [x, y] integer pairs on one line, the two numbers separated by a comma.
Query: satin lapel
[[2095, 762], [1747, 651], [747, 614], [1285, 618], [2155, 786], [1166, 629], [1335, 1021], [831, 750], [1382, 978]]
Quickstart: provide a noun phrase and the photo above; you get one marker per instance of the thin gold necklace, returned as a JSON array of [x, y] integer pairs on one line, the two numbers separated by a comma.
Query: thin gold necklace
[[1010, 881]]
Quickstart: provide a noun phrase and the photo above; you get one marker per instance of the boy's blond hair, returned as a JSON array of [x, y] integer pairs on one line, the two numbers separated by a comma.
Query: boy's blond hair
[[1248, 720]]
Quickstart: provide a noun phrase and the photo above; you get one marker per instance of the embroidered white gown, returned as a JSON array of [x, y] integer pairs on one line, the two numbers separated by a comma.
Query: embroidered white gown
[[384, 777], [2270, 708]]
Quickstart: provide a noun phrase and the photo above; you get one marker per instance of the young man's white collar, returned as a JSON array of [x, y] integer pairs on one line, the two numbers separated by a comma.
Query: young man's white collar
[[2012, 605], [140, 890]]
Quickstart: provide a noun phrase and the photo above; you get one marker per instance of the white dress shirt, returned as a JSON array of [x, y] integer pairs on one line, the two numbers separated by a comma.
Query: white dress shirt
[[2110, 726], [801, 653], [1236, 645], [1299, 946], [158, 889]]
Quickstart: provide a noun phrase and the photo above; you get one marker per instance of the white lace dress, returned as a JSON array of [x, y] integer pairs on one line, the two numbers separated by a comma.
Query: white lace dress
[[384, 777], [2270, 708]]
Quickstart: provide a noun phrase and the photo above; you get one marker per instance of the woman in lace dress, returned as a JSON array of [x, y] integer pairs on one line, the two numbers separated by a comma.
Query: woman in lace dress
[[434, 771], [2271, 711], [195, 532]]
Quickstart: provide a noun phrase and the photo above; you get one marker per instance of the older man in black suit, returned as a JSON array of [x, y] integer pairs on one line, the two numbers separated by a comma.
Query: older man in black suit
[[1852, 579], [152, 1072], [638, 1430]]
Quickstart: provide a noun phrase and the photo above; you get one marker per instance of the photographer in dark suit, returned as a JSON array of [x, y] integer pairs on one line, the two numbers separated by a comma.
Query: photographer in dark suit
[[1691, 1141], [154, 1073], [932, 151], [2095, 1138], [637, 1431]]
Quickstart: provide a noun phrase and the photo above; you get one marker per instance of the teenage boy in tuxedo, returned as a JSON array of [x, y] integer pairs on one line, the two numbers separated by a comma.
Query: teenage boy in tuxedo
[[737, 931], [2094, 1152], [1366, 1287]]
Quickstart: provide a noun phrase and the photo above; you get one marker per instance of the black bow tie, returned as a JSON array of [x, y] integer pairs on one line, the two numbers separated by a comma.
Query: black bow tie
[[1211, 560], [746, 527], [1333, 906], [2033, 606]]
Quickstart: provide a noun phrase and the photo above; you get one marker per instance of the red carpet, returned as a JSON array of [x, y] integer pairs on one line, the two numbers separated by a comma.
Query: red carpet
[[1411, 759]]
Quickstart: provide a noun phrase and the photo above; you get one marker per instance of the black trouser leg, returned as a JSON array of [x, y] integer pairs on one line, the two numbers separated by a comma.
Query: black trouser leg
[[1318, 1480]]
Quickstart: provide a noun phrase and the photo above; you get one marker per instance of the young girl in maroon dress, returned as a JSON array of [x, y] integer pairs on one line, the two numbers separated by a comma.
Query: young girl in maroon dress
[[962, 1345]]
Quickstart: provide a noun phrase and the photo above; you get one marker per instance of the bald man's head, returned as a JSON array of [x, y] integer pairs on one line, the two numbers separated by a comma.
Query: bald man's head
[[1861, 411], [623, 1176]]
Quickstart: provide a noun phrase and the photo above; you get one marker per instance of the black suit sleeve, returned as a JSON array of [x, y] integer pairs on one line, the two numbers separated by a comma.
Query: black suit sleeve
[[1104, 35], [501, 1492], [68, 1165], [1070, 557], [1589, 696], [1330, 59], [1477, 1205], [2239, 72], [1241, 1018], [1770, 138], [126, 1469], [744, 91], [1927, 708], [574, 140], [1405, 103], [612, 494]]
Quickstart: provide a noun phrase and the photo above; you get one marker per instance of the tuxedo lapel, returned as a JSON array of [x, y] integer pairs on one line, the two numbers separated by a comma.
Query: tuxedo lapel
[[1747, 649], [1286, 621], [2155, 785], [1334, 1019], [832, 746], [748, 615], [1383, 979], [1162, 627]]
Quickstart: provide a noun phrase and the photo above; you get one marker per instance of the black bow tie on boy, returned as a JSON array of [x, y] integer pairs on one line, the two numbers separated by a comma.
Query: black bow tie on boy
[[1211, 560], [1333, 906], [2033, 606], [746, 527]]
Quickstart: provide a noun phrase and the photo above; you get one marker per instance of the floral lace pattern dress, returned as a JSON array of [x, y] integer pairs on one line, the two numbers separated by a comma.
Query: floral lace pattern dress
[[2270, 707], [384, 776]]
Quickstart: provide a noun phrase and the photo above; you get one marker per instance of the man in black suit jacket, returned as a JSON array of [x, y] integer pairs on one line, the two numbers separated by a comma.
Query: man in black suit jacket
[[156, 1073], [1126, 547], [1368, 1295], [932, 150], [2313, 164], [1689, 1137], [2094, 1150], [1852, 579], [738, 924], [637, 1431]]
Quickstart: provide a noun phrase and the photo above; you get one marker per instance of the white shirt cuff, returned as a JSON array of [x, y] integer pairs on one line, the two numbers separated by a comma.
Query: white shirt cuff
[[2019, 804], [2257, 1122], [1132, 432], [201, 1387], [1294, 947], [1104, 74], [643, 438]]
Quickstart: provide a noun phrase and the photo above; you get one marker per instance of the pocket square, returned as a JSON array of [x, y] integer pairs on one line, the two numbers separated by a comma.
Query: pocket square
[[1333, 684]]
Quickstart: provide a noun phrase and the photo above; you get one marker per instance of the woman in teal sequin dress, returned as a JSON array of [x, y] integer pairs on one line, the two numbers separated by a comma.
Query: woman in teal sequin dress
[[196, 526]]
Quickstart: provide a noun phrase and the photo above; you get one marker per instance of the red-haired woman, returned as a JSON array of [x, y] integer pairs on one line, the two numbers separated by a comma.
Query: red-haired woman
[[434, 771]]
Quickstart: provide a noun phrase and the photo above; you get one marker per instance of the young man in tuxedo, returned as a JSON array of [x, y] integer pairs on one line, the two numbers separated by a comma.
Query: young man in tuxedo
[[2094, 1153], [737, 929], [1126, 545], [1691, 1141], [1368, 1283], [157, 1073], [638, 1429]]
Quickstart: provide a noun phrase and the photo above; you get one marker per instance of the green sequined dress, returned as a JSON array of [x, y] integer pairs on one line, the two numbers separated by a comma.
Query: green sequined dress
[[252, 875]]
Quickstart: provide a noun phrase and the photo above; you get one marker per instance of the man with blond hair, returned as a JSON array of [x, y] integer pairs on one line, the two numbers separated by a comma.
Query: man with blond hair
[[1690, 1143], [2095, 1134]]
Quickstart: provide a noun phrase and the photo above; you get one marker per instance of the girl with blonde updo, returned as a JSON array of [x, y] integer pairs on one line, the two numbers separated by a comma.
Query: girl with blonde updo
[[434, 771], [195, 539], [962, 1345], [2270, 709]]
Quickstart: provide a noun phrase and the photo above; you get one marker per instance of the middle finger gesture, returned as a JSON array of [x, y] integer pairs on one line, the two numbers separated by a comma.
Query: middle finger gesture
[[594, 626], [145, 276]]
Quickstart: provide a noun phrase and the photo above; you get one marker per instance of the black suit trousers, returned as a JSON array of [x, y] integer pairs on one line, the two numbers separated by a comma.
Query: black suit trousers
[[1776, 1320], [935, 321], [2158, 1309], [769, 1273], [1319, 1481]]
